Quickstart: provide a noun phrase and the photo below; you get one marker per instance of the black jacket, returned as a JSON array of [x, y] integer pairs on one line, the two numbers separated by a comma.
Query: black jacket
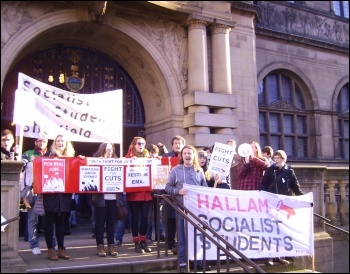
[[288, 182]]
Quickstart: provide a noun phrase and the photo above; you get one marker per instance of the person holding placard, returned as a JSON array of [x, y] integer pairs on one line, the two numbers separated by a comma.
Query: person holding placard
[[57, 205], [190, 172], [105, 208], [177, 143], [140, 202], [153, 153]]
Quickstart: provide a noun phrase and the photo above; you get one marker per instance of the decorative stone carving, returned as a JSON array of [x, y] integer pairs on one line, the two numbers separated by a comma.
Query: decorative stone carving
[[283, 18], [170, 37]]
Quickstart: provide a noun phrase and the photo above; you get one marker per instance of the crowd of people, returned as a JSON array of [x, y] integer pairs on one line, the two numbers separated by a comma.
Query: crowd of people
[[259, 169]]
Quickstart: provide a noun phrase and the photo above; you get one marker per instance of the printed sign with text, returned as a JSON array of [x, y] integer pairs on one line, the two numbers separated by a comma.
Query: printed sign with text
[[53, 172]]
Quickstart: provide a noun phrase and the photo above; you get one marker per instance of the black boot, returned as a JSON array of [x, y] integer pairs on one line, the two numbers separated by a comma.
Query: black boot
[[138, 248], [145, 246]]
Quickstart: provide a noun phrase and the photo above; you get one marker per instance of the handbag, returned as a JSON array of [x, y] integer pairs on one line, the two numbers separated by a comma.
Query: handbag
[[121, 213], [39, 206]]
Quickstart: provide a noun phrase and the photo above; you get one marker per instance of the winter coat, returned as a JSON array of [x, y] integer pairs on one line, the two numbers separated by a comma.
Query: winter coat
[[287, 183]]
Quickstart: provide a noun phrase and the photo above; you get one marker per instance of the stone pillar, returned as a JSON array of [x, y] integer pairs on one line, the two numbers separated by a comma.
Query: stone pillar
[[197, 68], [221, 69], [11, 262], [343, 204], [208, 113], [197, 56], [311, 179]]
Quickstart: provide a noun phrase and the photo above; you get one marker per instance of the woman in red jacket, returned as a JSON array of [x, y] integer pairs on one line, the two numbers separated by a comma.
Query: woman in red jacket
[[139, 202]]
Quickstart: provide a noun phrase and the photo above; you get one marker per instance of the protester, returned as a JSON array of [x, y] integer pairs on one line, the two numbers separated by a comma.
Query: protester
[[279, 179], [32, 218], [267, 152], [57, 205], [105, 205], [7, 141], [152, 217], [251, 168], [212, 180], [120, 225], [139, 202], [162, 149], [188, 171], [177, 143]]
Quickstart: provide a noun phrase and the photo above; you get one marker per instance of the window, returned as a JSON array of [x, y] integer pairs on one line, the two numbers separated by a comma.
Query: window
[[342, 108], [282, 115], [341, 8]]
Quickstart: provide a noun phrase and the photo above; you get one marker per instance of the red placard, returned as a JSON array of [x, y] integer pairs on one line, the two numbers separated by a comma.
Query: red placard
[[170, 161], [138, 178], [56, 174]]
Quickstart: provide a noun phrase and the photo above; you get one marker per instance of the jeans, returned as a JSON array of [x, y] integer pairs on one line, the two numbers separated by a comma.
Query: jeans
[[105, 215], [139, 217], [32, 226], [181, 245], [119, 230], [153, 220], [33, 233], [72, 217], [54, 224]]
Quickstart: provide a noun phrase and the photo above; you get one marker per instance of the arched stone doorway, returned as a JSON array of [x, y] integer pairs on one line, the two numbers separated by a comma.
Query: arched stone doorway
[[143, 58], [101, 74]]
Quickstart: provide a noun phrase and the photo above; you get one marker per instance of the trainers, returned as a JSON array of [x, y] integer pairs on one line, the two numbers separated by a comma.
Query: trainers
[[183, 268], [148, 241], [36, 251]]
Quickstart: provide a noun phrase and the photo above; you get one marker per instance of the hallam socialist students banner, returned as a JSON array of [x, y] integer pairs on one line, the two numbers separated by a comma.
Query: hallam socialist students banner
[[258, 223], [44, 110]]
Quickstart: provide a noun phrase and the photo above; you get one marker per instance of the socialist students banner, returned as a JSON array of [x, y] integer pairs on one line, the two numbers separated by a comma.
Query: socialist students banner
[[259, 224], [44, 110]]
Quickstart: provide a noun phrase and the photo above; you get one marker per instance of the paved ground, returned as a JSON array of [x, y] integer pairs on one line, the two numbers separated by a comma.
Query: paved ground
[[81, 247]]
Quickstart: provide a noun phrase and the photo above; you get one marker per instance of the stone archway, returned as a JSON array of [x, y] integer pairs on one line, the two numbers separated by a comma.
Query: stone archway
[[141, 57]]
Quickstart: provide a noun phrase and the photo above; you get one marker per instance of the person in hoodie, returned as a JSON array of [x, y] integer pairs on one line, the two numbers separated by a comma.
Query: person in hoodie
[[188, 171]]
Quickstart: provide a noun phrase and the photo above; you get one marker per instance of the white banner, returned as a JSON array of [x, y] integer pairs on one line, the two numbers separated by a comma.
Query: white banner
[[44, 110], [258, 223]]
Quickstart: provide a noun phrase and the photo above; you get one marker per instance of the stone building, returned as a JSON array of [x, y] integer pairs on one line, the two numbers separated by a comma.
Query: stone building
[[272, 71]]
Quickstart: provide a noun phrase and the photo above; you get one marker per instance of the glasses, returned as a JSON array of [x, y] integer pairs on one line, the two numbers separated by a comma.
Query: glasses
[[140, 144]]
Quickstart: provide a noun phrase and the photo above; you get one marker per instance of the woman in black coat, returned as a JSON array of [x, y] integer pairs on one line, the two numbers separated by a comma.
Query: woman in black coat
[[279, 179]]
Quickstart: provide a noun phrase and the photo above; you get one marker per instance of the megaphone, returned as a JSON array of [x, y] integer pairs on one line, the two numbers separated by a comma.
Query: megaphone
[[244, 150], [283, 207]]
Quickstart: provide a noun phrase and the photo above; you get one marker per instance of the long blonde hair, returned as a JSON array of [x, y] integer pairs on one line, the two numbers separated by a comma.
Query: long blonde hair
[[196, 165], [68, 151]]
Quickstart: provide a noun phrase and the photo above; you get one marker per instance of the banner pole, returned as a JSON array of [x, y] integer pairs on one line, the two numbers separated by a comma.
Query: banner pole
[[19, 141]]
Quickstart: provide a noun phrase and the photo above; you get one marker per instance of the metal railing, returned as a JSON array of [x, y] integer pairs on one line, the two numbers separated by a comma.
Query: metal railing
[[330, 225], [208, 233]]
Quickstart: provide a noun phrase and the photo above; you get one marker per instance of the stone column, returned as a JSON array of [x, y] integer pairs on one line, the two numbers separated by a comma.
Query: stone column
[[11, 262], [343, 204], [197, 68], [221, 69]]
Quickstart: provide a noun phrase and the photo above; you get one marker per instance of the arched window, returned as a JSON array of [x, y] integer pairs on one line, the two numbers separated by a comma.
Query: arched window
[[283, 119], [342, 109]]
